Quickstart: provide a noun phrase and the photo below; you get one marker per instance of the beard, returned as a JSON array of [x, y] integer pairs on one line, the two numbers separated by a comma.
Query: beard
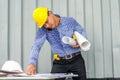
[[49, 29]]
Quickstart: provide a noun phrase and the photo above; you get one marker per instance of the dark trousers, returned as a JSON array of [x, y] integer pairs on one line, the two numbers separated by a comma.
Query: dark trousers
[[75, 65]]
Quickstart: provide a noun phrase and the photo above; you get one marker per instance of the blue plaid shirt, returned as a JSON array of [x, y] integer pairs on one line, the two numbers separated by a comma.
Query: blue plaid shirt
[[66, 27]]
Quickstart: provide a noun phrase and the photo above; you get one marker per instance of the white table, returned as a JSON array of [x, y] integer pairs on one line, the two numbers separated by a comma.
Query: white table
[[45, 76]]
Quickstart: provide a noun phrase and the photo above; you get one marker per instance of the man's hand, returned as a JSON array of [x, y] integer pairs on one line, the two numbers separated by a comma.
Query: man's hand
[[31, 69], [76, 46]]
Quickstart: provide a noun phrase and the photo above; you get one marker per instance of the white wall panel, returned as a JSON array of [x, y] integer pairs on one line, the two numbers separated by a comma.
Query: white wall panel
[[90, 35], [28, 29], [98, 46], [107, 38], [60, 7], [4, 51], [15, 30], [115, 22]]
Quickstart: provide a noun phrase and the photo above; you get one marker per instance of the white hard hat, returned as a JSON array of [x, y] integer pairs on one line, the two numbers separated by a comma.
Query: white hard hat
[[12, 66]]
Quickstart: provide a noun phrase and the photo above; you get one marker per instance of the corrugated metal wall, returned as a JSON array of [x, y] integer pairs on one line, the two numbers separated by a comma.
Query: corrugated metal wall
[[100, 18]]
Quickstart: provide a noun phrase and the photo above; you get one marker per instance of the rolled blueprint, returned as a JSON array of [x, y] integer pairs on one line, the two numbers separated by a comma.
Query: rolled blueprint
[[68, 40], [83, 42]]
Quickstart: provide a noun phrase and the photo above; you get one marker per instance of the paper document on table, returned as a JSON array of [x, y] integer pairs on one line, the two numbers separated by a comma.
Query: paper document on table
[[20, 75], [2, 74], [7, 73], [55, 74], [43, 76], [10, 72], [49, 75]]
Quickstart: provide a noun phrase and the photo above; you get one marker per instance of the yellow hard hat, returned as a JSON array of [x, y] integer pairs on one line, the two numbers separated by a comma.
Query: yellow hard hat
[[40, 15]]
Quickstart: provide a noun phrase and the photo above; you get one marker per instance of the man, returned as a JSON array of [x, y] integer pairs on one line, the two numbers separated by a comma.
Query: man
[[53, 28]]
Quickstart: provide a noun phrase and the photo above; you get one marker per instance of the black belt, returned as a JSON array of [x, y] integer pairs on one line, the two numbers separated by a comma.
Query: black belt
[[70, 56]]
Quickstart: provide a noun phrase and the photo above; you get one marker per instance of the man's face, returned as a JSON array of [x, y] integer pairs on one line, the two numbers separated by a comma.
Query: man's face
[[50, 23]]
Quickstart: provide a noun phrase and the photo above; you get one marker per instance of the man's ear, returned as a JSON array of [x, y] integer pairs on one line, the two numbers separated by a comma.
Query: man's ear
[[50, 12]]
